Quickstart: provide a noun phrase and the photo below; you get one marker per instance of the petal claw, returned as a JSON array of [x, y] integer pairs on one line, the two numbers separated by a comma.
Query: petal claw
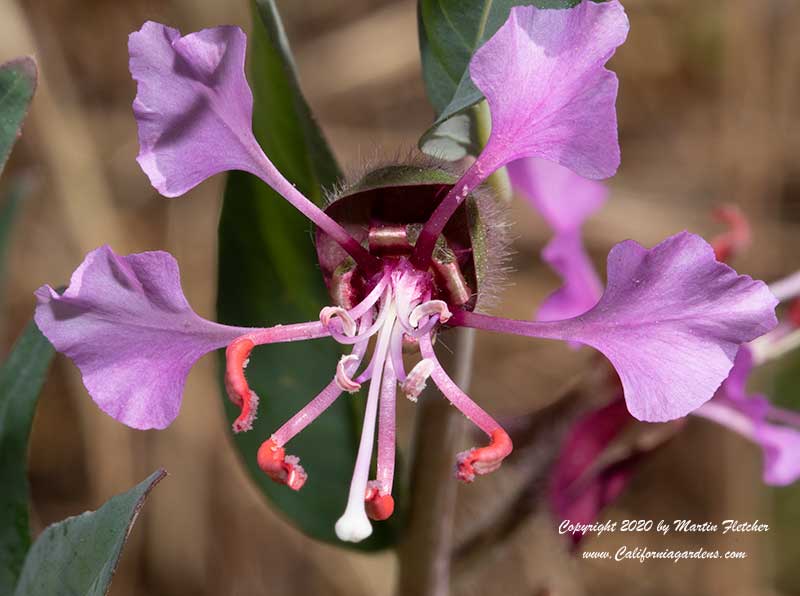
[[327, 314], [379, 505], [237, 356], [282, 468], [426, 309], [483, 460]]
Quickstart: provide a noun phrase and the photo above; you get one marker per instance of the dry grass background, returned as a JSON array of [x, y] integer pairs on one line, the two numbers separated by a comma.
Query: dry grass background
[[708, 113]]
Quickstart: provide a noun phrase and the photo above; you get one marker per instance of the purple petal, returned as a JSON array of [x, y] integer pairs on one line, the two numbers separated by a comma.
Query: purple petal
[[563, 198], [549, 94], [582, 287], [127, 326], [747, 414], [193, 105], [670, 321], [735, 386], [748, 417], [781, 446]]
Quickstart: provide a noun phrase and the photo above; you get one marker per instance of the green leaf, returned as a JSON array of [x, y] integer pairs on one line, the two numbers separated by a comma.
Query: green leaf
[[9, 208], [21, 379], [450, 31], [17, 84], [268, 274], [80, 554]]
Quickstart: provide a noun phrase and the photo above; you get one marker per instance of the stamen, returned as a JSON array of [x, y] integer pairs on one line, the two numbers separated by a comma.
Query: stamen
[[378, 503], [354, 525], [329, 312], [364, 335], [343, 379], [282, 468], [483, 460], [417, 379], [479, 460], [426, 309]]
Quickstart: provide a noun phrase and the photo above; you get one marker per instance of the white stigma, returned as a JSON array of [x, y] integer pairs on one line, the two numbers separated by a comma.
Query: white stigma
[[354, 524]]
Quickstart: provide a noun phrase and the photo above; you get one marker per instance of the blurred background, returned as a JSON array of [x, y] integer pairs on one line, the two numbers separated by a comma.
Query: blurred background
[[709, 113]]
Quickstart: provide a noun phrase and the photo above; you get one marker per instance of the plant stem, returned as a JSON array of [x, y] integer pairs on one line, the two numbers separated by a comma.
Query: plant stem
[[427, 546]]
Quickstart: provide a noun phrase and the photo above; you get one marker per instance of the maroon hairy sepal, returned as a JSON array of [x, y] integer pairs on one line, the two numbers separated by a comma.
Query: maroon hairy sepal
[[385, 212]]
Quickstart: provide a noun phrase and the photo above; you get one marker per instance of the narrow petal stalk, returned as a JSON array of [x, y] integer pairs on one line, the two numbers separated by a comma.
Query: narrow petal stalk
[[554, 61], [670, 308], [194, 110]]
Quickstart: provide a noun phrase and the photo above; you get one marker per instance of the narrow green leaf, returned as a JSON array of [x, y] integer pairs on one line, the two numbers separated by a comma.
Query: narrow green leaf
[[17, 84], [449, 33], [80, 554], [9, 208], [21, 379], [268, 274]]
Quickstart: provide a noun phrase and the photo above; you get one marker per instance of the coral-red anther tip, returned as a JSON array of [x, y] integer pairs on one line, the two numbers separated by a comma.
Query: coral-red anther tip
[[282, 468], [379, 506], [236, 358], [483, 460]]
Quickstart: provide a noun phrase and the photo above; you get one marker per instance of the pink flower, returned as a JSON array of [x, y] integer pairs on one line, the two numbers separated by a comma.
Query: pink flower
[[670, 321]]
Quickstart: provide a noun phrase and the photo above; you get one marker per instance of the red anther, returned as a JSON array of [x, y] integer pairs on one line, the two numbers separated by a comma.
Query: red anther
[[483, 460], [379, 506], [238, 390], [794, 312], [282, 468], [728, 244]]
